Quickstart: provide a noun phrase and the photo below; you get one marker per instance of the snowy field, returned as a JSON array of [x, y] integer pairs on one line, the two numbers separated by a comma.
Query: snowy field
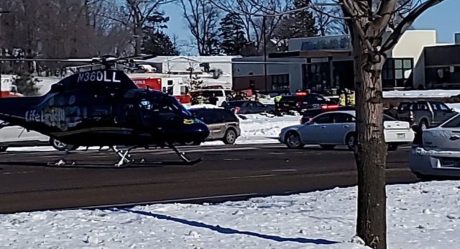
[[423, 215]]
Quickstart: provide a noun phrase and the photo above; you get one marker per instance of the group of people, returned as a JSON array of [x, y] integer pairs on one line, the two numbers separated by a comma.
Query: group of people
[[347, 98]]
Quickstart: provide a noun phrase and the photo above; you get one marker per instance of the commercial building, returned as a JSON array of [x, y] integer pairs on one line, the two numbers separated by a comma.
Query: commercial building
[[319, 63]]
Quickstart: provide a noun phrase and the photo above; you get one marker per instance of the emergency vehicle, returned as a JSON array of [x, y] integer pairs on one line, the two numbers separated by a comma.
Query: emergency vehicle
[[174, 86], [7, 88]]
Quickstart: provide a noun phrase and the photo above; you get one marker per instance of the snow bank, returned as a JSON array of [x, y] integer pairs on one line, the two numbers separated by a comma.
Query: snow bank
[[421, 94], [420, 215]]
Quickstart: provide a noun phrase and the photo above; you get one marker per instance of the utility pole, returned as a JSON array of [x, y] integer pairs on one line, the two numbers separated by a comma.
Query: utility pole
[[1, 62], [264, 30]]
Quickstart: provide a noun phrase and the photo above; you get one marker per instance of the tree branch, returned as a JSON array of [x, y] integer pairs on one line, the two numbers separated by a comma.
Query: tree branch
[[405, 23]]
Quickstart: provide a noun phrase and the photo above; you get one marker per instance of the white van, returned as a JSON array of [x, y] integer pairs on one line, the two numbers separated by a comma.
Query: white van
[[220, 94]]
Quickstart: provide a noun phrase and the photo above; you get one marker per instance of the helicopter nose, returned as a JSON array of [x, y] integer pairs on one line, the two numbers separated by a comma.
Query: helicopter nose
[[201, 131]]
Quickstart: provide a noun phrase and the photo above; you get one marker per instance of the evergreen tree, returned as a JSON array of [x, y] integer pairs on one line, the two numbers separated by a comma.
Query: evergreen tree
[[158, 43], [295, 25], [155, 41], [233, 41]]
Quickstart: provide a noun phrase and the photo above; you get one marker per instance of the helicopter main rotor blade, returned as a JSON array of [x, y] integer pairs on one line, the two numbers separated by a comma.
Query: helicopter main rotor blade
[[48, 60]]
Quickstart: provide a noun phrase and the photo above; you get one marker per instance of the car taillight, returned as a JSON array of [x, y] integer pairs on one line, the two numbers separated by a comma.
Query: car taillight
[[411, 116]]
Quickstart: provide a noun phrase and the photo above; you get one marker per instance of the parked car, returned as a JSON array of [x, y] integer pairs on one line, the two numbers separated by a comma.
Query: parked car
[[223, 124], [303, 103], [338, 128], [309, 114], [425, 114], [436, 151], [17, 136], [247, 107]]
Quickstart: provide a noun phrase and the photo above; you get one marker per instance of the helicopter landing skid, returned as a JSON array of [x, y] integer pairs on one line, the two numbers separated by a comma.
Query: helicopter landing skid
[[124, 155], [127, 159], [183, 156]]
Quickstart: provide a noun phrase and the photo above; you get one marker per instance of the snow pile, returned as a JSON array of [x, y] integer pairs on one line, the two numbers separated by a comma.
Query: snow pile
[[421, 94], [258, 128], [206, 106], [419, 215]]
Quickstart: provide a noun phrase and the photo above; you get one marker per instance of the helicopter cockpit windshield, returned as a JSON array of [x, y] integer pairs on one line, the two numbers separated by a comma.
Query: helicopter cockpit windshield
[[165, 105]]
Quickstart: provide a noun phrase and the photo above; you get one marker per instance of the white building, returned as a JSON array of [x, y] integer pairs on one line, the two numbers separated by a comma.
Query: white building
[[320, 63], [213, 70]]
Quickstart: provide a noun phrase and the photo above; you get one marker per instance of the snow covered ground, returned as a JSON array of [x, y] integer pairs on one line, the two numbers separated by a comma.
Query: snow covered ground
[[422, 215], [421, 94]]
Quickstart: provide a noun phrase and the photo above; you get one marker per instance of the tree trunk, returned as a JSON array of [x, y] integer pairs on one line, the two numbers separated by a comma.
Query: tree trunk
[[137, 39], [371, 150]]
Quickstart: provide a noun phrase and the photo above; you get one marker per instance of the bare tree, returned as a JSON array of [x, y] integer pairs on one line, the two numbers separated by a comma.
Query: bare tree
[[375, 28], [61, 29], [136, 13], [203, 21], [258, 21], [329, 19]]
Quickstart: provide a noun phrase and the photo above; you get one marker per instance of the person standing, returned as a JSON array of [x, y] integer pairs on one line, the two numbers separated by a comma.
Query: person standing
[[213, 99]]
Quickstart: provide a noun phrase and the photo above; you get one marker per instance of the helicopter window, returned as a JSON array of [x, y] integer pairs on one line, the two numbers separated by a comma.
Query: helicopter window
[[172, 105], [146, 104]]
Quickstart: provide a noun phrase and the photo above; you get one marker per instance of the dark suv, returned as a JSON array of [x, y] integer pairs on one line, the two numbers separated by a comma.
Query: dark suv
[[424, 113], [247, 107], [223, 124], [303, 103]]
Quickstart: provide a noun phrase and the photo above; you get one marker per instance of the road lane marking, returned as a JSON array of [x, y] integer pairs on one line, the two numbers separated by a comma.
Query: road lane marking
[[206, 150], [18, 172], [253, 176], [284, 170]]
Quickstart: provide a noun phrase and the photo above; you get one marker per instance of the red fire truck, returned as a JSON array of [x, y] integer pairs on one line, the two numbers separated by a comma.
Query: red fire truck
[[174, 86]]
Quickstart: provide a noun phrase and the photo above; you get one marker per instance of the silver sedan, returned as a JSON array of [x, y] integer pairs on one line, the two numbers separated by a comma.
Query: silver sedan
[[338, 128], [438, 151]]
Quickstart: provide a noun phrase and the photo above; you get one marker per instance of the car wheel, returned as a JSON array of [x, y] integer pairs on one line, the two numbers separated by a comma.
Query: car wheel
[[423, 125], [351, 141], [230, 136], [3, 148], [293, 140], [327, 146], [58, 145], [392, 147]]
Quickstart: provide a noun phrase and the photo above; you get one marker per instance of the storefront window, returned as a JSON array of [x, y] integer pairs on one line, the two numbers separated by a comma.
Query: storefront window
[[397, 72], [280, 82]]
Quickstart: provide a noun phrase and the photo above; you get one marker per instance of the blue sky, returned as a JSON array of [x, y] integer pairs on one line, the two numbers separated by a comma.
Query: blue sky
[[444, 18]]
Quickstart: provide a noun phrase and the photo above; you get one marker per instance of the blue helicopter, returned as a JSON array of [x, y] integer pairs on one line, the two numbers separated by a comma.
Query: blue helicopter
[[103, 107]]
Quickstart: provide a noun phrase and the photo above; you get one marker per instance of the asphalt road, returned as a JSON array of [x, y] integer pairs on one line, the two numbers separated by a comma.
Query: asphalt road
[[226, 173]]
